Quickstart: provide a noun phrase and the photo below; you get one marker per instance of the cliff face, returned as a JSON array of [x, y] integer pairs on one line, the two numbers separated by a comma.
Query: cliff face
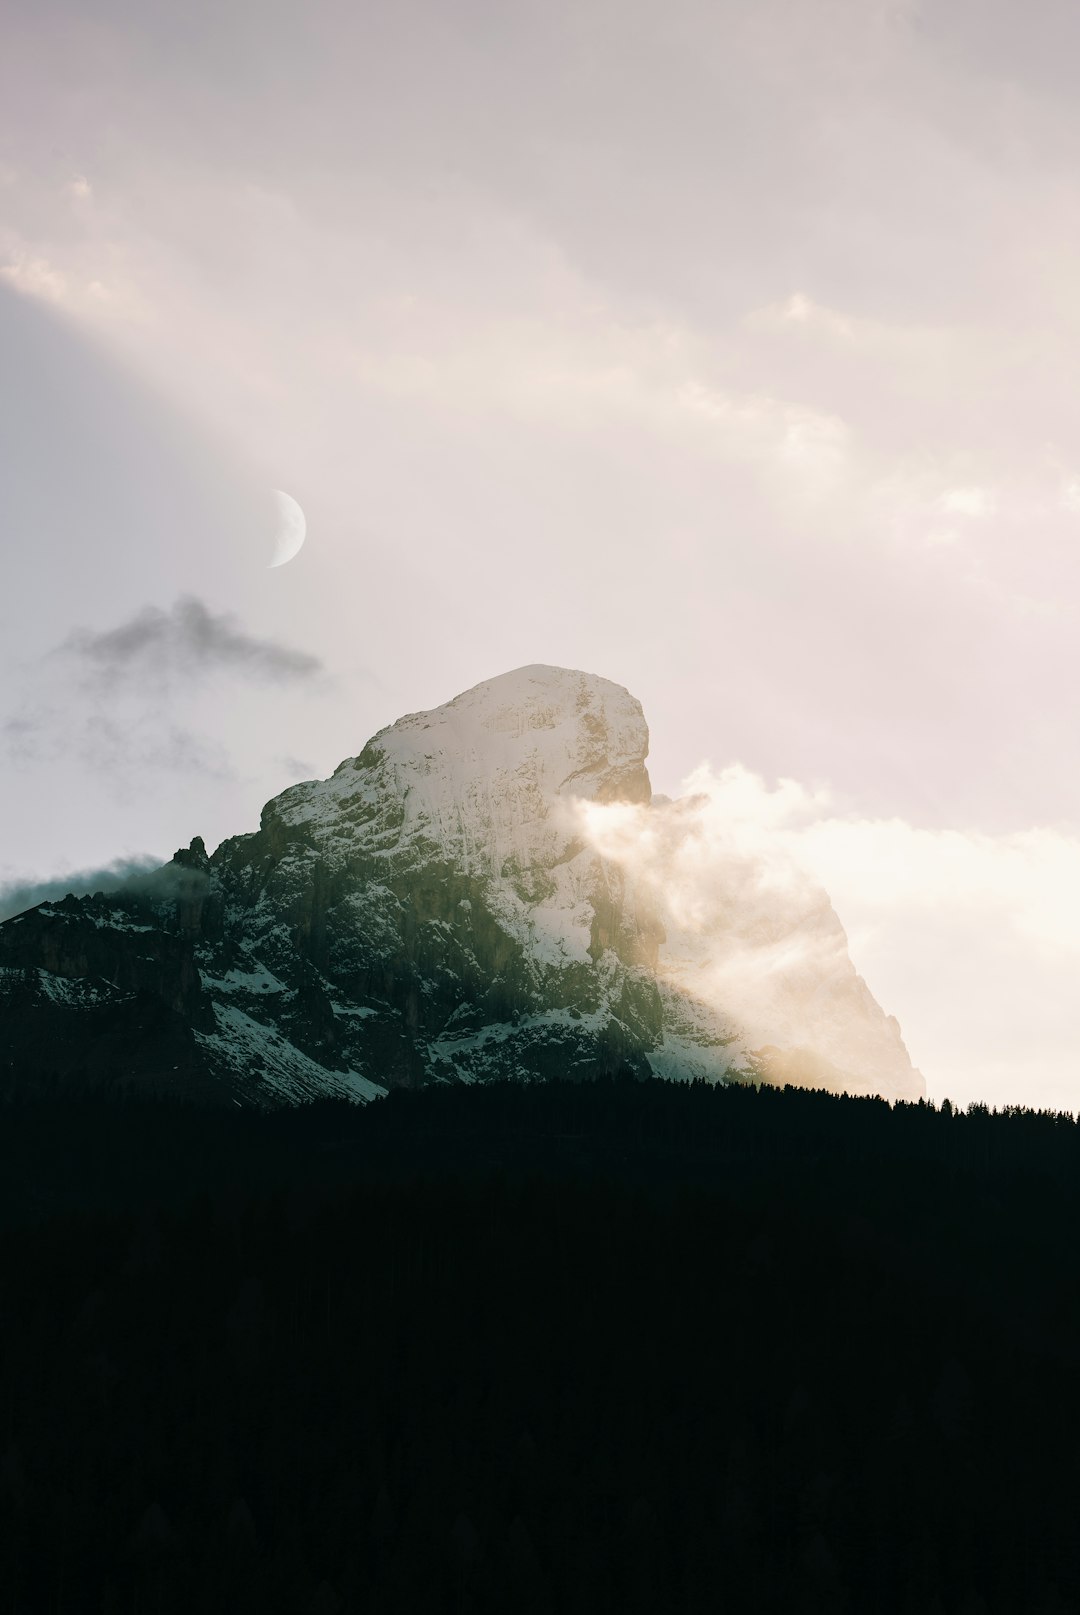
[[440, 909]]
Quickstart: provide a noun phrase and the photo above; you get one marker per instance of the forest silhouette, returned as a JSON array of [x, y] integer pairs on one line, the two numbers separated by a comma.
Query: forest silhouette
[[624, 1346]]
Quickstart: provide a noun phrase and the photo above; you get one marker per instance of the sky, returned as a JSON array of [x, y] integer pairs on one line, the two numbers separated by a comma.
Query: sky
[[726, 351]]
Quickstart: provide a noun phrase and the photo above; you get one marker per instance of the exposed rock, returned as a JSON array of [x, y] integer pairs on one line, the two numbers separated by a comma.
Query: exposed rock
[[437, 909]]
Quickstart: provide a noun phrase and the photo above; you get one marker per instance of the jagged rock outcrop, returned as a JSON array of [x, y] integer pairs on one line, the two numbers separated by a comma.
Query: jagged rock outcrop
[[442, 908]]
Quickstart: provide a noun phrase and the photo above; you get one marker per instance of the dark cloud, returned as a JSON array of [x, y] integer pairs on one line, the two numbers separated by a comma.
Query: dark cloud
[[17, 896], [116, 701], [186, 641], [22, 737]]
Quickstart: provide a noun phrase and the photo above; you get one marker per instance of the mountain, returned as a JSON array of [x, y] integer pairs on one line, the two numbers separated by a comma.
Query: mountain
[[482, 892]]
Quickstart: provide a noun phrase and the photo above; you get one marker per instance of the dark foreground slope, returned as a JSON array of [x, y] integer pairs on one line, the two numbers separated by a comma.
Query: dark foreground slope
[[622, 1347]]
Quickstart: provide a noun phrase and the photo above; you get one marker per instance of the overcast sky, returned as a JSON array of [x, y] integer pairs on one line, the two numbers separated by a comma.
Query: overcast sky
[[729, 351]]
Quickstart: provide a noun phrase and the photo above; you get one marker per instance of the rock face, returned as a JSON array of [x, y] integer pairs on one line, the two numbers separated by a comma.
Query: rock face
[[442, 908]]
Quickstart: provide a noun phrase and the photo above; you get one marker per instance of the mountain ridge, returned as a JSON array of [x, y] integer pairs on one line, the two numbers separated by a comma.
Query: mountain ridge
[[442, 907]]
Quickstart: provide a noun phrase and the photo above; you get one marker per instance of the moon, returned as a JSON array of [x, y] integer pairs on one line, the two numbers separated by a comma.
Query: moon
[[291, 528]]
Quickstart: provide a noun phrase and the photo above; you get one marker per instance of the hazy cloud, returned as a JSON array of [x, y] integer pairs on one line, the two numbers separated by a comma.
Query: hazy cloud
[[187, 641], [139, 741], [969, 502], [32, 274], [22, 737], [17, 896]]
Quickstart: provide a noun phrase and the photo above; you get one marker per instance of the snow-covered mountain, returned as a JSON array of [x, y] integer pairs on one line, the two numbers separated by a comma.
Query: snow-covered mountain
[[480, 892]]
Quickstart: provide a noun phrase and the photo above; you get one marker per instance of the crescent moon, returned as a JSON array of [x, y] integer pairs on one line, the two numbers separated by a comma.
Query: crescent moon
[[291, 528]]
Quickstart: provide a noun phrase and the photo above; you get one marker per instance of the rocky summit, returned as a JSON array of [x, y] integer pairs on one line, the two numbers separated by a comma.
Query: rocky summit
[[476, 894]]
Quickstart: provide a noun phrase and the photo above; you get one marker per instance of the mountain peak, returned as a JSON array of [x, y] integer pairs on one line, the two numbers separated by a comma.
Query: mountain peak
[[479, 775], [445, 907], [574, 733]]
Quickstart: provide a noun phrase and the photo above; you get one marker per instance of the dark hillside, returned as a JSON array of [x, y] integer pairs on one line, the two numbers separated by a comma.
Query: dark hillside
[[623, 1346]]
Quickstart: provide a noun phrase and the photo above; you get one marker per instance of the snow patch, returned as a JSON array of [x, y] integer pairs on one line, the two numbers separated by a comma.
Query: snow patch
[[249, 1049]]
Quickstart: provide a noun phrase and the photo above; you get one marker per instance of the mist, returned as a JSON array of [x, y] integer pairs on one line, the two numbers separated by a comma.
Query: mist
[[124, 874], [738, 870], [750, 933]]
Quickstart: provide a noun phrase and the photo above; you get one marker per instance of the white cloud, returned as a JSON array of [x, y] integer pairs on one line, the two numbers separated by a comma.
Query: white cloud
[[92, 281], [1069, 498], [33, 275], [591, 372], [749, 935], [970, 939], [802, 314], [973, 502]]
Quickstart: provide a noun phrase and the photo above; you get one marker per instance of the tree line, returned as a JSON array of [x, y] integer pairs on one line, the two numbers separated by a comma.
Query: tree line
[[624, 1346]]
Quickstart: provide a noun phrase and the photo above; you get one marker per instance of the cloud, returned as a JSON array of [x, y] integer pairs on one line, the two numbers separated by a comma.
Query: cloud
[[113, 746], [596, 373], [17, 896], [23, 736], [33, 275], [972, 502], [1069, 498], [806, 315], [143, 742], [969, 938], [189, 641], [748, 930], [152, 717]]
